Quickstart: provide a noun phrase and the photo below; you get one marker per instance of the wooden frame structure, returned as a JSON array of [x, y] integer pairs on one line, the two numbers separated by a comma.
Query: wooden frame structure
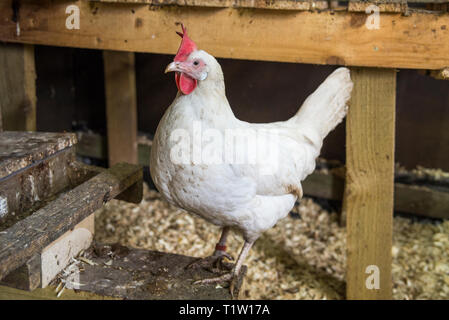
[[47, 227], [285, 31]]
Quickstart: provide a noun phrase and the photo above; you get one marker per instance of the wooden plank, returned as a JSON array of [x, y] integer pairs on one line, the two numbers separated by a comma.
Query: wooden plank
[[394, 6], [18, 87], [19, 150], [29, 236], [1, 119], [368, 200], [33, 187], [121, 106], [42, 268], [27, 277], [58, 255], [255, 4], [419, 40], [131, 274], [48, 293], [324, 185], [420, 200], [261, 4], [92, 145], [128, 273]]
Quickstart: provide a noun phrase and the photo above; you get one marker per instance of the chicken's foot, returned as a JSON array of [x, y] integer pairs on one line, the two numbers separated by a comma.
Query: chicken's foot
[[215, 263], [232, 276]]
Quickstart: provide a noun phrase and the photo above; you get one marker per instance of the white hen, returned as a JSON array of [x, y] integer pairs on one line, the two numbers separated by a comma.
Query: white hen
[[233, 173]]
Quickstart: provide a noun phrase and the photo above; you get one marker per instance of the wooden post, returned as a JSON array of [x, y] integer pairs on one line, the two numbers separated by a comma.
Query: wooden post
[[121, 106], [1, 120], [370, 181], [17, 87], [26, 277]]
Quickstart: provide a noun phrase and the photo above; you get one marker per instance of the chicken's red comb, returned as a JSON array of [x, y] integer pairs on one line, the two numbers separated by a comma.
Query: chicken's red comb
[[187, 45]]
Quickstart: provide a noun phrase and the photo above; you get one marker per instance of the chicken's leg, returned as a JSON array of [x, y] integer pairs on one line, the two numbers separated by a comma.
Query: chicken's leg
[[215, 262], [233, 275]]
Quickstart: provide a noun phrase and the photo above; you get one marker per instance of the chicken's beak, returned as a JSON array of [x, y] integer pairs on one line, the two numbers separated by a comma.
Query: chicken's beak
[[174, 66]]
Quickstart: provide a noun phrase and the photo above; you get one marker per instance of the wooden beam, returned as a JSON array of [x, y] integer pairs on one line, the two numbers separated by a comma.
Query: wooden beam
[[26, 277], [121, 106], [256, 4], [19, 150], [48, 293], [369, 183], [1, 120], [30, 235], [130, 273], [43, 267], [419, 40], [18, 87], [58, 255], [264, 4]]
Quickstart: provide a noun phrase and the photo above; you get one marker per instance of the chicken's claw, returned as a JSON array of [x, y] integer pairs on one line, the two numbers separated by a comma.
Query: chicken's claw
[[223, 278], [230, 278], [213, 263]]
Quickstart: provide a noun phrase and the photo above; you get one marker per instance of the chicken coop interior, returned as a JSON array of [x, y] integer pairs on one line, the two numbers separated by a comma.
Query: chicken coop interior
[[83, 89]]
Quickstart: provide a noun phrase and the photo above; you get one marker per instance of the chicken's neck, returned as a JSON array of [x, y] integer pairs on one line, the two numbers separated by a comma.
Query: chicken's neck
[[208, 102]]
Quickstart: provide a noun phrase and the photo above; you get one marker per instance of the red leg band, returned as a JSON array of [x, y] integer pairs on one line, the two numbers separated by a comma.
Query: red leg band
[[220, 247]]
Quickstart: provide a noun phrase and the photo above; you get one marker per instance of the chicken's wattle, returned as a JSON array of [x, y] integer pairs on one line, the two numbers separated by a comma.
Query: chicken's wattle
[[185, 83]]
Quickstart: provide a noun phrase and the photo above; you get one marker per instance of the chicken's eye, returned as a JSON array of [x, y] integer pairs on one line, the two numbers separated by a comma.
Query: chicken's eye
[[195, 63]]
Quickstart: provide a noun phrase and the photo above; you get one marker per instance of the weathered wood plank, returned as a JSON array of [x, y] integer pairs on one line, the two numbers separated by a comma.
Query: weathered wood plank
[[1, 119], [42, 268], [18, 87], [29, 236], [419, 40], [27, 277], [420, 200], [368, 200], [362, 6], [324, 185], [19, 150], [92, 145], [263, 4], [254, 4], [121, 106], [32, 187], [129, 273], [58, 255], [48, 293]]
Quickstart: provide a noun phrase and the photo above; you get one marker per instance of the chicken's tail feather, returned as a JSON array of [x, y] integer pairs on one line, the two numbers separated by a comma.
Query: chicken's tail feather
[[324, 109]]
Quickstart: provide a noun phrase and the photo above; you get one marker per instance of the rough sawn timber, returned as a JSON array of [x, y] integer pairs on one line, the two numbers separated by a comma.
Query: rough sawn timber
[[117, 272], [18, 87], [19, 150], [418, 41], [29, 236], [368, 202], [129, 273], [121, 106]]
